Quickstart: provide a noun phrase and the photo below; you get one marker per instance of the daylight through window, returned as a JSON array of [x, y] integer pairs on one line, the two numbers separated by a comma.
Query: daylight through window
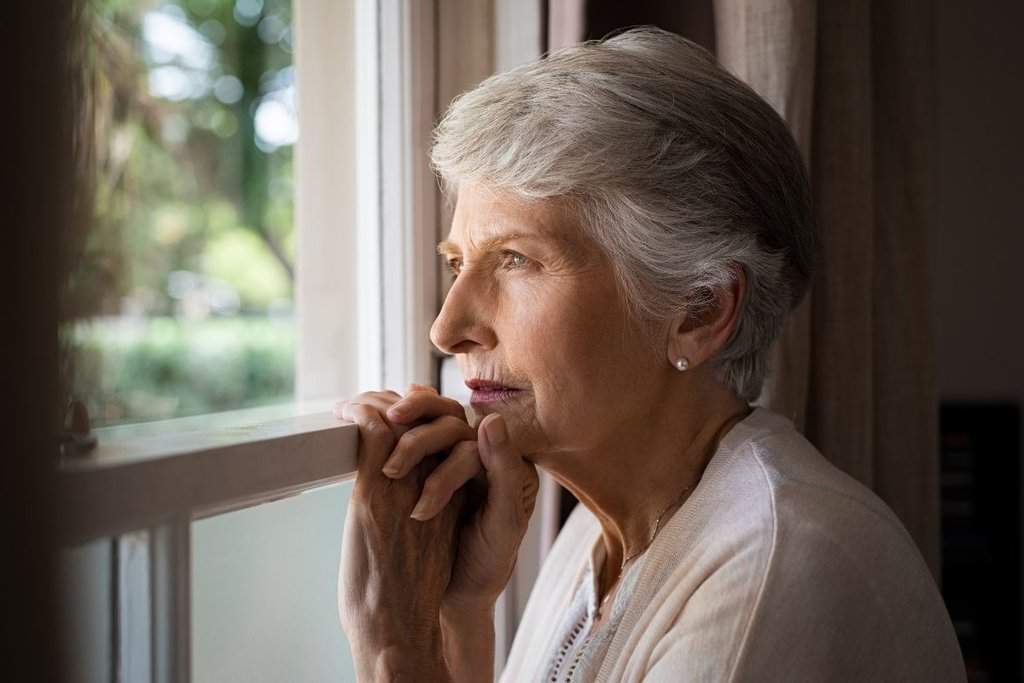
[[182, 297]]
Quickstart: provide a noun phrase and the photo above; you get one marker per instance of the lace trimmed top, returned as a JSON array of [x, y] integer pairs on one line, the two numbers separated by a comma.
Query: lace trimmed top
[[579, 653]]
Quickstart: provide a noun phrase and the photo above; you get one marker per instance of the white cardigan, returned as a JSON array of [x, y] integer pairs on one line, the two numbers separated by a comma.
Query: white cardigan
[[779, 567]]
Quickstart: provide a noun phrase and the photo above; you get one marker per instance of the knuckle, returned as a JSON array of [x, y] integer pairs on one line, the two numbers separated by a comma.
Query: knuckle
[[419, 399], [378, 399], [446, 421], [378, 432], [453, 404], [437, 489], [356, 411], [433, 487], [450, 407], [411, 442], [465, 450], [360, 409], [454, 424], [376, 427]]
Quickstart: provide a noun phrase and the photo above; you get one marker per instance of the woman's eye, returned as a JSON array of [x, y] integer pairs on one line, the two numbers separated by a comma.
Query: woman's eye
[[514, 260], [455, 266]]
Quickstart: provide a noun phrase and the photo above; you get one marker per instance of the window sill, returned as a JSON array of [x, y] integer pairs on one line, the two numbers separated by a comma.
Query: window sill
[[185, 469]]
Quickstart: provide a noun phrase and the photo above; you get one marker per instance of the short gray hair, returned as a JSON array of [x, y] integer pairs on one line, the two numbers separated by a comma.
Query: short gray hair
[[678, 170]]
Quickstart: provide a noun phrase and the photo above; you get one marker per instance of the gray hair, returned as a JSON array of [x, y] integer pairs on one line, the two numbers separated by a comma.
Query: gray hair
[[677, 170]]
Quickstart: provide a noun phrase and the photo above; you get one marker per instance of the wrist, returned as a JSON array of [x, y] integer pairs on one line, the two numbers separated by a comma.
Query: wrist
[[455, 612], [415, 654], [421, 660], [468, 635]]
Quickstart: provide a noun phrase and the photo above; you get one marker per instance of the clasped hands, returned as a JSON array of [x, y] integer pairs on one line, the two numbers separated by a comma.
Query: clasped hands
[[434, 525]]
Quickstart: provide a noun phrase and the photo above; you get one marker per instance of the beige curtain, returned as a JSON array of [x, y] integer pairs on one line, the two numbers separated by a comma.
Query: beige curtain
[[856, 365], [566, 22]]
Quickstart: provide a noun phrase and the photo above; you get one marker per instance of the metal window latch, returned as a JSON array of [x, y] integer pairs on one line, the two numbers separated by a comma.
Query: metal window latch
[[78, 438]]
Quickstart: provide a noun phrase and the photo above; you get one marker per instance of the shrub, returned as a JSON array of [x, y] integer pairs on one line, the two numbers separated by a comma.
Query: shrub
[[132, 370]]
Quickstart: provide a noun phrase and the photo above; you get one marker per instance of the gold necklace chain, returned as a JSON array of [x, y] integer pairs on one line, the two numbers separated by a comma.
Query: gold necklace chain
[[657, 522], [657, 527]]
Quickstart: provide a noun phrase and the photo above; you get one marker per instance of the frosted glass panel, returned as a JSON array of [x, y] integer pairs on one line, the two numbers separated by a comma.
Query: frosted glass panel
[[264, 592], [84, 576]]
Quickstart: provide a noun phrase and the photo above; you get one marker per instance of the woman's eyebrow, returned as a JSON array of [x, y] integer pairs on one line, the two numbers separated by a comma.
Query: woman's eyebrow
[[448, 248]]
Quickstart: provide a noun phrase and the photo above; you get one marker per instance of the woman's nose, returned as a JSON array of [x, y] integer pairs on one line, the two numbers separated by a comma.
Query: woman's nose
[[464, 321]]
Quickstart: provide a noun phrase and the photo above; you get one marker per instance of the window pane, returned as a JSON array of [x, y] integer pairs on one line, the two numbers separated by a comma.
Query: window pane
[[86, 597], [181, 297], [264, 592]]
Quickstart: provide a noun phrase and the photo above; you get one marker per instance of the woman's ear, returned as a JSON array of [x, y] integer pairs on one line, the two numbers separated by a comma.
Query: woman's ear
[[698, 335]]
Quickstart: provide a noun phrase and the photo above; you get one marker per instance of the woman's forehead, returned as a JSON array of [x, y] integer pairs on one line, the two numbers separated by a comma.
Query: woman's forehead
[[485, 217]]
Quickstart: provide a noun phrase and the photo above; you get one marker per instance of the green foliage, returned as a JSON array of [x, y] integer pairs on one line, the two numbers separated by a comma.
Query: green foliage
[[192, 211], [131, 370], [239, 258], [178, 164]]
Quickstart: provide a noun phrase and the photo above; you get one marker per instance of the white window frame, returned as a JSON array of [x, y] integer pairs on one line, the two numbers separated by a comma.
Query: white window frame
[[367, 290], [160, 484]]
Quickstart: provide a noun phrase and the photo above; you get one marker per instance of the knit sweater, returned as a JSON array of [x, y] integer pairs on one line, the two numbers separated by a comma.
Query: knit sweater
[[778, 567]]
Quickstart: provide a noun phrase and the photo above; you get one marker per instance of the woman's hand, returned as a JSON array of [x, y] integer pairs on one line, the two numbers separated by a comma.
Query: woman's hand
[[482, 464], [501, 485], [502, 489], [395, 569], [434, 407]]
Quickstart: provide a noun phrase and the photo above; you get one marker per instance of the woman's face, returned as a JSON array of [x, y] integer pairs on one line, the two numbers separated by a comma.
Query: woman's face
[[536, 321]]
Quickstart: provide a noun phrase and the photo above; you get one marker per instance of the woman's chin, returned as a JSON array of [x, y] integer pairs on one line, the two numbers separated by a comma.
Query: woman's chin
[[524, 438]]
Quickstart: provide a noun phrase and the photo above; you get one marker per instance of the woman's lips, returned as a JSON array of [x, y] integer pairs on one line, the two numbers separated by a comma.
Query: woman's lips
[[485, 396], [489, 392]]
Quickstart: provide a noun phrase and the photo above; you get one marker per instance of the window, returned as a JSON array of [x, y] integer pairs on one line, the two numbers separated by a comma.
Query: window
[[191, 558], [183, 292], [205, 548]]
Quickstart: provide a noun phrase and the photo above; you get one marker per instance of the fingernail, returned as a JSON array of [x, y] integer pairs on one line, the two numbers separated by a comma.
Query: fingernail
[[399, 409], [391, 468], [495, 429], [419, 513]]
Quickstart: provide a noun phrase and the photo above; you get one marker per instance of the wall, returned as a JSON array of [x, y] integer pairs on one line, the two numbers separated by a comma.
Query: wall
[[978, 274]]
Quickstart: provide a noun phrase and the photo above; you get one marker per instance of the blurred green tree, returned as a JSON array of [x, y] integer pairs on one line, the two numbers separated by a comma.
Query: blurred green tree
[[192, 121], [193, 105]]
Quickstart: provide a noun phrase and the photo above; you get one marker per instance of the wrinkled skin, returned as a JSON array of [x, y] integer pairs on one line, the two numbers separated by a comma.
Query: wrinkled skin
[[400, 575]]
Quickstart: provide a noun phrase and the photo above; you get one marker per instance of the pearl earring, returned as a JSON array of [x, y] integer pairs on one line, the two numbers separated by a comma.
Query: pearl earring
[[682, 363]]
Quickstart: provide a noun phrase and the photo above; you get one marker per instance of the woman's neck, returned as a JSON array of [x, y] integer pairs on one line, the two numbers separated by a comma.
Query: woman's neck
[[636, 477]]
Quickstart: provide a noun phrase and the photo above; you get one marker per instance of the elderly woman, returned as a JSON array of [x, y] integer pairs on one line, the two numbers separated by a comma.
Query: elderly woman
[[632, 225]]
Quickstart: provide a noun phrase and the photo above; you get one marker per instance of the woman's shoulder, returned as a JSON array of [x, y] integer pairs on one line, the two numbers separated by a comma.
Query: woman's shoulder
[[788, 532], [780, 562], [768, 471], [825, 551], [839, 570]]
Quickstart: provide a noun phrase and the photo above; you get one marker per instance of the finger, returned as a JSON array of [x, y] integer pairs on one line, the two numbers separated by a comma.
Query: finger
[[380, 399], [414, 387], [376, 439], [419, 442], [511, 481], [462, 465], [420, 405]]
